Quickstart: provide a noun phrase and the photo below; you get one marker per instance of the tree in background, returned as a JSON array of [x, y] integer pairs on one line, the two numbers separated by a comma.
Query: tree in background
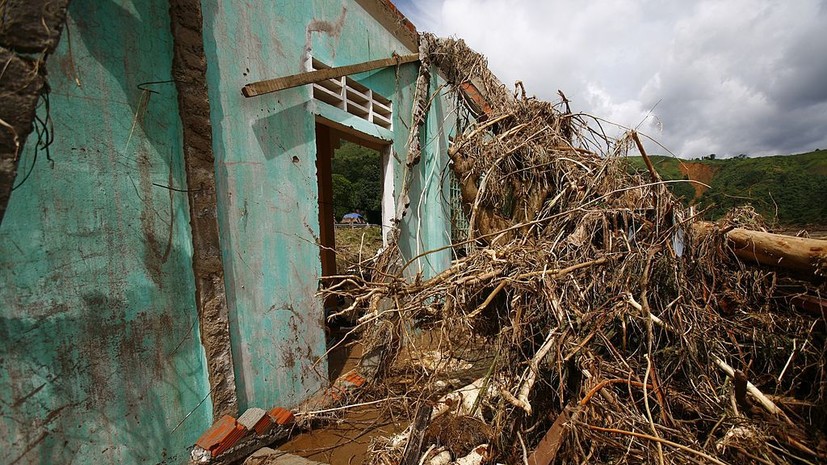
[[357, 181]]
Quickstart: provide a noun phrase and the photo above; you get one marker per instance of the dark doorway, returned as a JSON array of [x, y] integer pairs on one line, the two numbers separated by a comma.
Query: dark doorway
[[351, 172]]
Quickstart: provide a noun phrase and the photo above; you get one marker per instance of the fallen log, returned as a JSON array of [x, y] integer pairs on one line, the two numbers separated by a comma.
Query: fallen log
[[777, 250]]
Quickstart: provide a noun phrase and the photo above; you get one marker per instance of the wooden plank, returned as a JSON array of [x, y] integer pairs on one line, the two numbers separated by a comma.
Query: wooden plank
[[415, 441], [546, 450], [273, 85]]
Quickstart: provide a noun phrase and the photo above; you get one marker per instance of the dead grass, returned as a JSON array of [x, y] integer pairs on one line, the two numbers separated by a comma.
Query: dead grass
[[355, 244]]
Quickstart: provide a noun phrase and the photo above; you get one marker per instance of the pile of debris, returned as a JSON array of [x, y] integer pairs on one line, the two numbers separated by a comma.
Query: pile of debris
[[612, 325]]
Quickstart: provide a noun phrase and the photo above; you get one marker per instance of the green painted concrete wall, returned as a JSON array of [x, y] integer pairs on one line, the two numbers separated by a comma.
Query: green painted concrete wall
[[265, 165], [427, 228], [99, 342], [99, 338]]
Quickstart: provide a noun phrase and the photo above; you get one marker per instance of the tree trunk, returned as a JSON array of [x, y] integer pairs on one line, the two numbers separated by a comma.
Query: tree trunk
[[788, 252]]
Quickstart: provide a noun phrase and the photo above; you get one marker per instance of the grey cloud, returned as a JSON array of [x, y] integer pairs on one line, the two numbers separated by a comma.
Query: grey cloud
[[731, 77], [804, 81]]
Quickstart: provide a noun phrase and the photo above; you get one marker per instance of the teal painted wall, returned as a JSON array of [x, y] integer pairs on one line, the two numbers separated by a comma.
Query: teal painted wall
[[266, 174], [99, 341], [99, 338], [427, 228]]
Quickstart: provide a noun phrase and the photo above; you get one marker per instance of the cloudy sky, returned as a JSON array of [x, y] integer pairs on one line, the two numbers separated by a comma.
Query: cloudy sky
[[727, 76]]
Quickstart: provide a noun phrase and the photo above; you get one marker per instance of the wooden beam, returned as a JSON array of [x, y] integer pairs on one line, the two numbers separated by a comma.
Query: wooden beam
[[273, 85], [547, 449], [417, 437]]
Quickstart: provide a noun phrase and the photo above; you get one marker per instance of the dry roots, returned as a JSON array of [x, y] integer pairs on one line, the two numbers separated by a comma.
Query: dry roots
[[581, 290]]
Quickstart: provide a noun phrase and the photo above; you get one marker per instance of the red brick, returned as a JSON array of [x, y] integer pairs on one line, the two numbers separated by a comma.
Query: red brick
[[336, 393], [354, 378], [231, 440], [222, 435], [216, 433], [263, 426], [474, 94], [281, 416]]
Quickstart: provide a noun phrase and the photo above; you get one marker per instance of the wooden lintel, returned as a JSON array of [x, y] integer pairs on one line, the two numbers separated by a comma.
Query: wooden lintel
[[273, 85]]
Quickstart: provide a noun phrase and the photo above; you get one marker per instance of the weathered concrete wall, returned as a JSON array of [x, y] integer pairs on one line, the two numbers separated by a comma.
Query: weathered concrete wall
[[99, 337], [190, 70], [427, 226], [266, 174]]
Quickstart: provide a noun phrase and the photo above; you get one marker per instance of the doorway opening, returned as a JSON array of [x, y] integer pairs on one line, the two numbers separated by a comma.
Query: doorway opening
[[355, 206]]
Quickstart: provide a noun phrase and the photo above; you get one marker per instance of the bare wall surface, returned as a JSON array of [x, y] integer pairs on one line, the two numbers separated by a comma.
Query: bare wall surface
[[99, 336], [266, 177]]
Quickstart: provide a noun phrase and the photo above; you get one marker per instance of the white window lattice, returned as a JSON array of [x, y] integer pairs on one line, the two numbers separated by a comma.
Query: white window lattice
[[346, 94]]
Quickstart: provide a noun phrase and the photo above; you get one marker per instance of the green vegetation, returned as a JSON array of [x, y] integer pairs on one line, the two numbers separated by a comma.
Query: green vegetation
[[791, 190], [357, 182]]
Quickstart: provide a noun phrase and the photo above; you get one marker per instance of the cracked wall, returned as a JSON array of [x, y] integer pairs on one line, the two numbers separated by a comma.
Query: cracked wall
[[190, 68]]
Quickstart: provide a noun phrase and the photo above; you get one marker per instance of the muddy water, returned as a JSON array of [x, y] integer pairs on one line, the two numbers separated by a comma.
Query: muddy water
[[347, 441]]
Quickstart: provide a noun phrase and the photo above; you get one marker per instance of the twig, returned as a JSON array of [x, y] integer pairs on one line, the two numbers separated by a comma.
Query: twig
[[532, 371], [762, 399], [346, 407], [655, 176], [660, 440], [585, 400], [648, 410]]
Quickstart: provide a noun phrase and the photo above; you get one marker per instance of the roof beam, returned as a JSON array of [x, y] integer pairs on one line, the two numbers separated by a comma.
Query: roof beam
[[274, 85]]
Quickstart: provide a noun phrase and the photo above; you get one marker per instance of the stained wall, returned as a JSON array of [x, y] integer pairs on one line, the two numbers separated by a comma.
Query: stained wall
[[266, 176], [99, 341]]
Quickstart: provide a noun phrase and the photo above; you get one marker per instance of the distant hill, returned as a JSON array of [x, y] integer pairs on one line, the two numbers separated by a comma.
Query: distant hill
[[789, 190]]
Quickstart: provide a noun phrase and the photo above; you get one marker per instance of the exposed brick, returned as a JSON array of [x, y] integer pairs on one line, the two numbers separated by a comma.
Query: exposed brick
[[354, 378], [264, 425], [221, 436], [477, 101], [256, 419], [281, 416]]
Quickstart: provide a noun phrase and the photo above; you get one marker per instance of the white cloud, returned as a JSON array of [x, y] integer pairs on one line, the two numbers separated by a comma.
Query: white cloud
[[731, 76]]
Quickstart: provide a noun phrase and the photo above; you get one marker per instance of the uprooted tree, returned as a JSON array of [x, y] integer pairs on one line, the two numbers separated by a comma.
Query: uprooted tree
[[604, 323]]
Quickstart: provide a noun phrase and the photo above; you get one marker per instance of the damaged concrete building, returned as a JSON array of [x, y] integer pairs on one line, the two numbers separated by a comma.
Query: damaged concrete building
[[165, 236]]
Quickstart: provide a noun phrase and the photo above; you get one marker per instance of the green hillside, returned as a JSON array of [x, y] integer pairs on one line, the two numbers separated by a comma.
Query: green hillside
[[791, 190]]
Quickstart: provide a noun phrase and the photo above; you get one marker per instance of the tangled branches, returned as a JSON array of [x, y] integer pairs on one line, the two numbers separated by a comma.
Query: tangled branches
[[604, 329]]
